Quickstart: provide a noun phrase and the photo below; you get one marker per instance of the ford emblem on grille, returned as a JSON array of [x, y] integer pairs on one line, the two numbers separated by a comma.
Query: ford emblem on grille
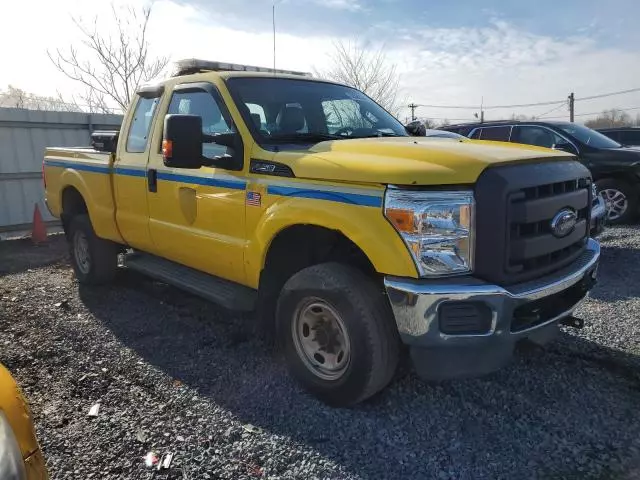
[[564, 222]]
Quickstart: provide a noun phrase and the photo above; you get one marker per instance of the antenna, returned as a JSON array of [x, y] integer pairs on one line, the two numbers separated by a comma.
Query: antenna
[[273, 18]]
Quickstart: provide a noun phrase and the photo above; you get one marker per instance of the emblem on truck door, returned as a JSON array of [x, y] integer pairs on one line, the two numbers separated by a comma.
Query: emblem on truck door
[[564, 222]]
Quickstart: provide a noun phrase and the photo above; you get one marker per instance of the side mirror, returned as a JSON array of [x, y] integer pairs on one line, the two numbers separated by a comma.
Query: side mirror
[[566, 147], [182, 142], [416, 129]]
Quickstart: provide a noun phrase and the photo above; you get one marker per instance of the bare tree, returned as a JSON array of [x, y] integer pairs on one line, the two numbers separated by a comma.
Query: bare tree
[[522, 118], [428, 123], [111, 67], [611, 118], [15, 97], [367, 70]]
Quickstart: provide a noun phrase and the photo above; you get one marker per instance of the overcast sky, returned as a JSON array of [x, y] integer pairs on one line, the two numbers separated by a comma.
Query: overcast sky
[[454, 52]]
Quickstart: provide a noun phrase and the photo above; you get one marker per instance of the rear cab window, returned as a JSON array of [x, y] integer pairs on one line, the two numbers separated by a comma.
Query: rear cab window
[[138, 135]]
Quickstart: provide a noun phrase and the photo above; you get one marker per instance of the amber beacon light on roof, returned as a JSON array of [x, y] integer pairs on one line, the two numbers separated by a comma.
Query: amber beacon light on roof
[[194, 65]]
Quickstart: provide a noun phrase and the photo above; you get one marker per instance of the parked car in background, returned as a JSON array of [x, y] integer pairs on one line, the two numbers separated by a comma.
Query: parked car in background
[[623, 135], [20, 454], [614, 167], [418, 129], [435, 133]]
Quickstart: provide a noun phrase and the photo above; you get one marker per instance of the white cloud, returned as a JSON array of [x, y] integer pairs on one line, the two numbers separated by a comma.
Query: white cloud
[[350, 5], [503, 65], [454, 66]]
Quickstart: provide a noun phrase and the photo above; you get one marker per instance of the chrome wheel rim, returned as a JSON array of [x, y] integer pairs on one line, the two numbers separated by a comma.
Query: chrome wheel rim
[[321, 339], [81, 252], [616, 203]]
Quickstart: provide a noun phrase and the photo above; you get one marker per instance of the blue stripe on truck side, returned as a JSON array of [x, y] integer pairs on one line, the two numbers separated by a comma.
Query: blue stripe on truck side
[[342, 197], [78, 166], [131, 172], [209, 181], [240, 184]]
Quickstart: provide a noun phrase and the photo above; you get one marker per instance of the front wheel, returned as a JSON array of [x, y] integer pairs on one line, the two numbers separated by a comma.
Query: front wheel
[[94, 259], [621, 201], [337, 332]]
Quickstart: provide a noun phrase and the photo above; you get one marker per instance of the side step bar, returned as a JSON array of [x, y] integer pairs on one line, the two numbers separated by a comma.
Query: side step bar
[[230, 295]]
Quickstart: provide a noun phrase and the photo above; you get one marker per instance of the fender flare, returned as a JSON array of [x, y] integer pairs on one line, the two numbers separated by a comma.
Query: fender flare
[[365, 227]]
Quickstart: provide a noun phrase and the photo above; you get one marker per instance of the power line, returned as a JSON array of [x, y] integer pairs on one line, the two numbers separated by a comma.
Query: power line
[[536, 104], [552, 110], [594, 113], [485, 107], [631, 90]]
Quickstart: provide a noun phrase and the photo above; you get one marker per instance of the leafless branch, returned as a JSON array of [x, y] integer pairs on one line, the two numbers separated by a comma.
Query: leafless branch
[[111, 68], [367, 70]]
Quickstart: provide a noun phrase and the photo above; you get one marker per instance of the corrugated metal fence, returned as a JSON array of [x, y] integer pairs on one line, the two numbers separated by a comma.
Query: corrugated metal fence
[[24, 134]]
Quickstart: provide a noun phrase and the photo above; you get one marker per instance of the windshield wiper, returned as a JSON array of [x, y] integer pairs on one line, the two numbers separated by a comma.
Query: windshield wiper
[[380, 134], [304, 137]]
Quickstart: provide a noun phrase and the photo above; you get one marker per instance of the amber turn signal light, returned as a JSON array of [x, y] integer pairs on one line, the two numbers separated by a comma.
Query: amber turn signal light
[[167, 148], [401, 219]]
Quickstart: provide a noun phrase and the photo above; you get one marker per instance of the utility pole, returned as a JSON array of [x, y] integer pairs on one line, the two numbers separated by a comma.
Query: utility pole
[[413, 107], [572, 101]]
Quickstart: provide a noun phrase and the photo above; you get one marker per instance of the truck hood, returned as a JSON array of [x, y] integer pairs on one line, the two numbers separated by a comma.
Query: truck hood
[[408, 160]]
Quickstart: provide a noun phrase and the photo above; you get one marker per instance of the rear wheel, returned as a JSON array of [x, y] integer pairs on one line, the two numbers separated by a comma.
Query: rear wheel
[[337, 333], [94, 260], [620, 199]]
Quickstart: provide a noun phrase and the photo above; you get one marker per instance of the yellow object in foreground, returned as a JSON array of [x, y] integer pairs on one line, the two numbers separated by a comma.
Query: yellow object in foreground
[[20, 455]]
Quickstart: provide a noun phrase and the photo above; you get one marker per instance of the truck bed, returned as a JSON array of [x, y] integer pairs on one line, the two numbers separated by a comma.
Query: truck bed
[[86, 174]]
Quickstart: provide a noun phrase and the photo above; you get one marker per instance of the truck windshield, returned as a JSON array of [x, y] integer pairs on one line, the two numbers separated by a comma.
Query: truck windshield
[[587, 136], [282, 110]]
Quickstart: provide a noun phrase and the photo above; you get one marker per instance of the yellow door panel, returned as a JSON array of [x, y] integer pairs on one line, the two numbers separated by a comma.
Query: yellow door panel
[[196, 216], [198, 220]]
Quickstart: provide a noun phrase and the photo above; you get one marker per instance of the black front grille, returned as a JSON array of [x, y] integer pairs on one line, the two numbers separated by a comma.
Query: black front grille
[[515, 209]]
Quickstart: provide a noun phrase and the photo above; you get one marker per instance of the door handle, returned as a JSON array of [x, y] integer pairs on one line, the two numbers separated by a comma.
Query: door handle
[[152, 180]]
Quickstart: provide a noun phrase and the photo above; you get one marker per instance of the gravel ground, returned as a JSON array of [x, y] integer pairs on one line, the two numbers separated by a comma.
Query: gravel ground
[[175, 374]]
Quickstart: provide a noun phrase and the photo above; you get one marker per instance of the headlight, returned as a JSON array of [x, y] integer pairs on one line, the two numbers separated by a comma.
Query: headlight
[[437, 228], [11, 461]]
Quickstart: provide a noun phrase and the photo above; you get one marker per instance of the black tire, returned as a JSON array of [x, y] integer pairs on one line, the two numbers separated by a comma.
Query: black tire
[[102, 254], [367, 317], [628, 191]]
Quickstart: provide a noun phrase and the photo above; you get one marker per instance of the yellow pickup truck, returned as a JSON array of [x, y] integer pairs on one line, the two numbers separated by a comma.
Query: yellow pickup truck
[[306, 202], [20, 454]]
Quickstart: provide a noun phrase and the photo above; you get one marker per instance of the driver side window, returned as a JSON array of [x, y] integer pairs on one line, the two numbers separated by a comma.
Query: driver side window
[[344, 114], [203, 104]]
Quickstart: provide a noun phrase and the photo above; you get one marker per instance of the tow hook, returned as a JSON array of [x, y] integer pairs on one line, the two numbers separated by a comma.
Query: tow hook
[[572, 321]]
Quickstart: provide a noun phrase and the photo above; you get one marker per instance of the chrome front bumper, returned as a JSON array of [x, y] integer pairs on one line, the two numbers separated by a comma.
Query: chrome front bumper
[[416, 305]]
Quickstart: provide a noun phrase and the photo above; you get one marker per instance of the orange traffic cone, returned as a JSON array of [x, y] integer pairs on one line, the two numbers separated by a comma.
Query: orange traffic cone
[[39, 231]]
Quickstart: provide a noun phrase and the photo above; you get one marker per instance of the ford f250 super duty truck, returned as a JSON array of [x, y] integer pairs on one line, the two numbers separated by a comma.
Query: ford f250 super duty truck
[[306, 202]]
